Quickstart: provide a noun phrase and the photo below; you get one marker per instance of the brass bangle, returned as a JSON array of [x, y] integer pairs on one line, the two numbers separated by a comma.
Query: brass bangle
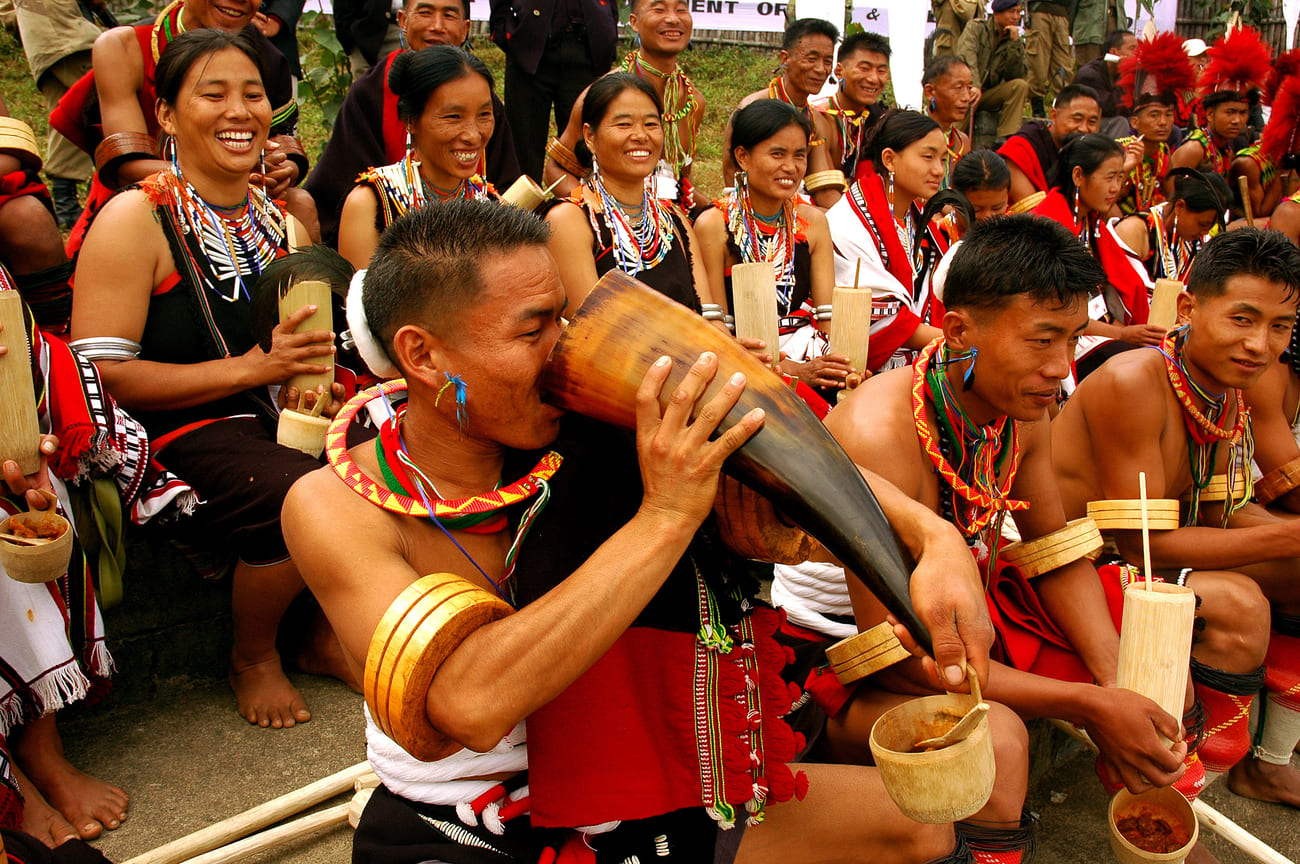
[[18, 140], [118, 149], [1278, 482], [1126, 514], [564, 157], [1079, 539], [825, 180], [419, 631]]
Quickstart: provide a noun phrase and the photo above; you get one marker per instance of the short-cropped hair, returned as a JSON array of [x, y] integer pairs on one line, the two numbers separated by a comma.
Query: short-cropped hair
[[1244, 252], [808, 27], [1006, 256], [426, 268]]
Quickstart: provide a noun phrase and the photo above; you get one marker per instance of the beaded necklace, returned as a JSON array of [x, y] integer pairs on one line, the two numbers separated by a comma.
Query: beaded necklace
[[242, 240], [952, 147], [1220, 158], [776, 90], [680, 103], [848, 125], [638, 246], [1147, 176], [1205, 431], [757, 242], [401, 475], [969, 494]]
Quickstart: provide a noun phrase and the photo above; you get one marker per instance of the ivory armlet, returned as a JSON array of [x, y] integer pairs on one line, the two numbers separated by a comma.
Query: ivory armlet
[[1080, 538], [564, 157], [825, 180], [1126, 514], [18, 140], [866, 653]]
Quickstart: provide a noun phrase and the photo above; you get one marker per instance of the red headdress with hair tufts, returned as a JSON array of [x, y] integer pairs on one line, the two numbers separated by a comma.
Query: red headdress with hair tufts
[[1280, 135], [1157, 72], [1240, 63], [1286, 66]]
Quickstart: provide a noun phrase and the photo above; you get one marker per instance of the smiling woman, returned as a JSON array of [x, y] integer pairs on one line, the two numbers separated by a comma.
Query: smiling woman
[[614, 219], [444, 97], [163, 307]]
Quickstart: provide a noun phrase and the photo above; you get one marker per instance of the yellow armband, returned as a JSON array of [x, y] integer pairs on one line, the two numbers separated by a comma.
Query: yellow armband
[[18, 140], [825, 180], [1080, 538], [1126, 514], [866, 653]]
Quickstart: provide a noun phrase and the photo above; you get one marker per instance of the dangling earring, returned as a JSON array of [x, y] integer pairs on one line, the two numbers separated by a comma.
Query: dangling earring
[[595, 168], [401, 40], [169, 152], [742, 185], [891, 189], [1077, 214], [410, 140], [1175, 226], [458, 384], [636, 40], [933, 105], [969, 378]]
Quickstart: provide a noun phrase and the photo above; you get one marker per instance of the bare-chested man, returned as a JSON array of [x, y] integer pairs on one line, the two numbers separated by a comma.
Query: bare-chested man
[[663, 28], [1016, 297], [613, 577], [1176, 414], [806, 55], [1034, 152]]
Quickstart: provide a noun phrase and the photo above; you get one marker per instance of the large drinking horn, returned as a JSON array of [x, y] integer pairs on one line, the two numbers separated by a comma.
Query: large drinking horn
[[624, 326]]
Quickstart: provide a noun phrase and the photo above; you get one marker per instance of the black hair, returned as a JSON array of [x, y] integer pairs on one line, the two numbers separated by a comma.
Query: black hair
[[897, 130], [809, 27], [1114, 39], [1007, 256], [1200, 191], [980, 170], [763, 118], [425, 270], [1070, 92], [1269, 255], [415, 75], [600, 95], [464, 5], [190, 47], [1088, 151], [939, 66], [865, 41], [318, 263]]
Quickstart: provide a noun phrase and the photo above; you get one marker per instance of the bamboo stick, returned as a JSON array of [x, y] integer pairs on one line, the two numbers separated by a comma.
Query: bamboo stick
[[1244, 185], [258, 817], [851, 324], [269, 839], [1146, 528], [307, 293], [1164, 303], [20, 430], [1205, 814], [753, 289]]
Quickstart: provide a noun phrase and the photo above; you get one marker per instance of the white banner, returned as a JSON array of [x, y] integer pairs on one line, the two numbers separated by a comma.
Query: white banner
[[766, 16], [1290, 12], [904, 22]]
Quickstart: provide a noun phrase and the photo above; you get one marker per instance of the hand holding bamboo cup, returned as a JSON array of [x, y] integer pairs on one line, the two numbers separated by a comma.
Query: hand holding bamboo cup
[[310, 293], [20, 429], [753, 290]]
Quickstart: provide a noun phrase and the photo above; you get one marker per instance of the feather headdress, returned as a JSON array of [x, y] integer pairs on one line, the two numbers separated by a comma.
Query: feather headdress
[[1285, 67], [1157, 72], [1279, 138], [1239, 66]]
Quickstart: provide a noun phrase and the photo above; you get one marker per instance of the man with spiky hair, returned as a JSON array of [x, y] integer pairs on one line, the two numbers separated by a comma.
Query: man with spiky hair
[[1177, 415]]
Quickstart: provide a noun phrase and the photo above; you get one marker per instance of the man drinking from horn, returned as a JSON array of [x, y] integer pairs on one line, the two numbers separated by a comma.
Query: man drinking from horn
[[623, 592], [1177, 414], [965, 432]]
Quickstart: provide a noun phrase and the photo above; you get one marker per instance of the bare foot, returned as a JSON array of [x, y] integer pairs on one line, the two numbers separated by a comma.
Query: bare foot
[[264, 694], [322, 654], [1200, 855], [40, 819], [1251, 778], [89, 805]]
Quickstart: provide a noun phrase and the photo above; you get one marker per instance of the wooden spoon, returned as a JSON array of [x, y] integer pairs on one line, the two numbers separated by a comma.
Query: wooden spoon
[[25, 541], [966, 724], [957, 733]]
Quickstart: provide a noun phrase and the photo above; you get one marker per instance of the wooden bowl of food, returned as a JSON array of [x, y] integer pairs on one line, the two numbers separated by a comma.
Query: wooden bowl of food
[[36, 546], [1157, 826]]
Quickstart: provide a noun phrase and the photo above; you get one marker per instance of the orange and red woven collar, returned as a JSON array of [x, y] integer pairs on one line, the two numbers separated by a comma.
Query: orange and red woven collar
[[341, 461]]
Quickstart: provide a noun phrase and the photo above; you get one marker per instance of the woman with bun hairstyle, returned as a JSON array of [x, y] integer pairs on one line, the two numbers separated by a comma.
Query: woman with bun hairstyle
[[1090, 179], [761, 220], [883, 243], [1167, 237], [613, 219], [444, 96]]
